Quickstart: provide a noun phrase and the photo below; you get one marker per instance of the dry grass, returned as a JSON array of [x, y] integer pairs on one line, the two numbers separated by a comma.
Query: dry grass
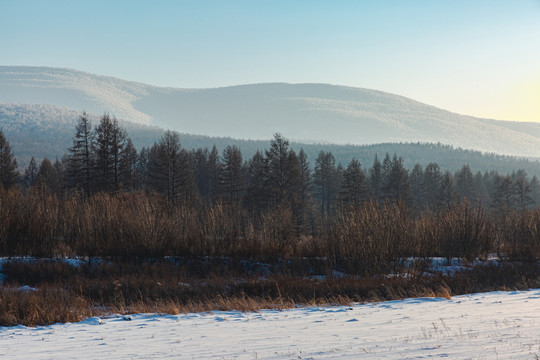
[[66, 293], [227, 258], [366, 239]]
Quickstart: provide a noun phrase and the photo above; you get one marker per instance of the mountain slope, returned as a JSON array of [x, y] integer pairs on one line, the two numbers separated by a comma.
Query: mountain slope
[[47, 131], [312, 112]]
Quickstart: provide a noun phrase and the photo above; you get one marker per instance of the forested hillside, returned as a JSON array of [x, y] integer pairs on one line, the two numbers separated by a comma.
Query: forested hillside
[[302, 112], [41, 131], [107, 198]]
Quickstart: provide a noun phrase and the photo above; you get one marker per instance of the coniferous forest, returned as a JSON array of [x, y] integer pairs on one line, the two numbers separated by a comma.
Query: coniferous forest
[[220, 216], [107, 198]]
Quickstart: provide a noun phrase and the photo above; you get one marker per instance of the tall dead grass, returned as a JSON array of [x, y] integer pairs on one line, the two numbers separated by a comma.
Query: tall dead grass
[[370, 238], [67, 293]]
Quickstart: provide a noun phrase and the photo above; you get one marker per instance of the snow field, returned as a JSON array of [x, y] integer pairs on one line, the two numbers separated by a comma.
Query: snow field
[[503, 325]]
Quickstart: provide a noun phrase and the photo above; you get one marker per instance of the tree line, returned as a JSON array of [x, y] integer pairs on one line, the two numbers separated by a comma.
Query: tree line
[[105, 198], [103, 159]]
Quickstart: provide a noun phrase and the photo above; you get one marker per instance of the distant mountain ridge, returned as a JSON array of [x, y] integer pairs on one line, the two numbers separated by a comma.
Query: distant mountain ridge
[[313, 112]]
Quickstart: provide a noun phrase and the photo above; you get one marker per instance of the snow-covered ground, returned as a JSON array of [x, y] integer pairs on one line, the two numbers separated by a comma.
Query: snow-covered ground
[[503, 325]]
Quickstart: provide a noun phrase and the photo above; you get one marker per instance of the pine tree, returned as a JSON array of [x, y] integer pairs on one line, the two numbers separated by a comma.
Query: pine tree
[[522, 190], [375, 179], [200, 157], [187, 188], [80, 162], [232, 176], [353, 187], [277, 158], [164, 165], [465, 183], [481, 189], [207, 172], [109, 143], [396, 186], [141, 170], [535, 191], [49, 176], [214, 169], [305, 200], [128, 165], [305, 176], [171, 170], [257, 197], [433, 179], [8, 165], [417, 187], [30, 173], [326, 181], [447, 192], [503, 198]]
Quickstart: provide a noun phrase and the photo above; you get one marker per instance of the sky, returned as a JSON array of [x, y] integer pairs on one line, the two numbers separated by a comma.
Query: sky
[[474, 57]]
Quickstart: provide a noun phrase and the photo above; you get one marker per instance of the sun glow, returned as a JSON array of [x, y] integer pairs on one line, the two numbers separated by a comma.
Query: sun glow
[[517, 102]]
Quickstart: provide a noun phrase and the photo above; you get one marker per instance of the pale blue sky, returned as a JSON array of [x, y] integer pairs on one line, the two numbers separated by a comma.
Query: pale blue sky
[[474, 57]]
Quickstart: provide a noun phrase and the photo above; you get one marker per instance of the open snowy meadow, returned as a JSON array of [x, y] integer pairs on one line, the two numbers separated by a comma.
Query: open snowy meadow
[[497, 325]]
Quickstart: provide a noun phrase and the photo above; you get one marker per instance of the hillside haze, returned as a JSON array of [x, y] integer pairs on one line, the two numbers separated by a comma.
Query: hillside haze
[[302, 112]]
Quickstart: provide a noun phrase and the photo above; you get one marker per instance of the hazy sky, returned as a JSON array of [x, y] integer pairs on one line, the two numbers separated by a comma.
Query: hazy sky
[[474, 57]]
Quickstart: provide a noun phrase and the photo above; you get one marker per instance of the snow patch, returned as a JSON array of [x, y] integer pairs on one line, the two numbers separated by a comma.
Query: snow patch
[[501, 324]]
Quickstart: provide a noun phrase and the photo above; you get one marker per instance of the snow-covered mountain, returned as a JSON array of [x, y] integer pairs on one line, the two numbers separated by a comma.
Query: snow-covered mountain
[[309, 112]]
